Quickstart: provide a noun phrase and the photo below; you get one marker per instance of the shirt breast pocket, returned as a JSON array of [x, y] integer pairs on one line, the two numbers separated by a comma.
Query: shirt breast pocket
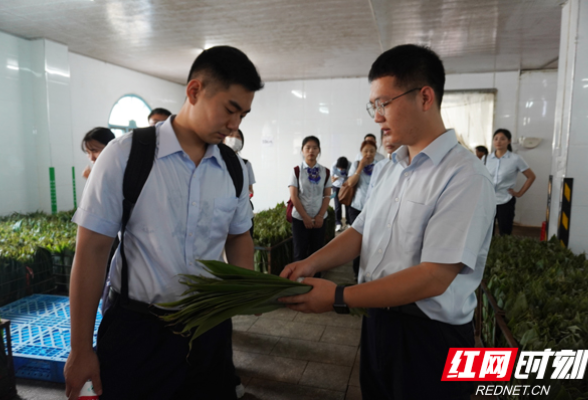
[[224, 211], [413, 218]]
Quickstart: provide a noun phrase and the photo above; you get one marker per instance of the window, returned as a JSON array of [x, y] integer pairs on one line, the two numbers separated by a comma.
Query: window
[[471, 114], [128, 113]]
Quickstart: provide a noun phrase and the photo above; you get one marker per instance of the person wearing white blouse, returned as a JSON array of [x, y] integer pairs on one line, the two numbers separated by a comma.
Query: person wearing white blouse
[[504, 166]]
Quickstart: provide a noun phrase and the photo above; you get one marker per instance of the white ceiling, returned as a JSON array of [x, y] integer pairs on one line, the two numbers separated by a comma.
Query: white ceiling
[[293, 39]]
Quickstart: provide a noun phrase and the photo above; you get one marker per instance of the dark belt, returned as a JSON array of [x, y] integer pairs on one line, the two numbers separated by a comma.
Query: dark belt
[[408, 309], [137, 306]]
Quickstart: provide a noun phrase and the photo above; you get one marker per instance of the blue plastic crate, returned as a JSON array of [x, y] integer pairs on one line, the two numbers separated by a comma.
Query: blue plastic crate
[[40, 332]]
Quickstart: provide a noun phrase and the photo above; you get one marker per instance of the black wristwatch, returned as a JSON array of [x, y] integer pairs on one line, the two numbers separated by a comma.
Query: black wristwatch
[[340, 306]]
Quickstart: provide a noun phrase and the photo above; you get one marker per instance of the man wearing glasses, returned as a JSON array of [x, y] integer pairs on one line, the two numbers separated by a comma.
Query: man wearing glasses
[[423, 238]]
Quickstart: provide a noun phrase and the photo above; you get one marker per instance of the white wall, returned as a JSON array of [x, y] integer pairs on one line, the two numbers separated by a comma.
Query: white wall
[[96, 86], [49, 99], [333, 110], [536, 118], [18, 175], [279, 120]]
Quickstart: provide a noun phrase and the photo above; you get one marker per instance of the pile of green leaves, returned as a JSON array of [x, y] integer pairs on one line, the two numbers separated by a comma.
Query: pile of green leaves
[[234, 291], [22, 234], [270, 229], [27, 244], [543, 288]]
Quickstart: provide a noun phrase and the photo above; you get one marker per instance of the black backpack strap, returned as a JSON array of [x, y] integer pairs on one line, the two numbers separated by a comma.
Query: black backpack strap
[[233, 166], [139, 165]]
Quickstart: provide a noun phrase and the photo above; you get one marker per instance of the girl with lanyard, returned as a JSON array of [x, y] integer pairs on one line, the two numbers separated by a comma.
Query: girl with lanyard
[[360, 175], [504, 166], [339, 176], [310, 193]]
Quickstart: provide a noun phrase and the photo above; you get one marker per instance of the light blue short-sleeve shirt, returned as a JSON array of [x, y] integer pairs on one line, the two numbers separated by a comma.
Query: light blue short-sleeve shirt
[[439, 209], [363, 185], [183, 214], [340, 174], [503, 172], [311, 188]]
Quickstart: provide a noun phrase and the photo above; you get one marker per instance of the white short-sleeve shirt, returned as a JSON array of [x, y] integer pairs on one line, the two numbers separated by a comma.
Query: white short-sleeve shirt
[[503, 172], [363, 185], [439, 209], [183, 214], [340, 174], [250, 172], [311, 188]]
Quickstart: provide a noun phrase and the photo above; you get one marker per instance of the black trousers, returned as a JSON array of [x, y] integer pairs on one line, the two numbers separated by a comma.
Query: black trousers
[[403, 356], [505, 214], [306, 241], [142, 358], [352, 213], [339, 208]]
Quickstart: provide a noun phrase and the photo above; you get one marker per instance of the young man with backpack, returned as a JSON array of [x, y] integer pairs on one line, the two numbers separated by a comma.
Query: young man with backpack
[[190, 205]]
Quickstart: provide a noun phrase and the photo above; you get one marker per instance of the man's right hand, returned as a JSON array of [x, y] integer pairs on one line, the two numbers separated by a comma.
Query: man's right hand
[[79, 368], [297, 269]]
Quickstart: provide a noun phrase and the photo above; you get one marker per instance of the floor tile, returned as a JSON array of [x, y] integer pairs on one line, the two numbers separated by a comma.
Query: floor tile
[[330, 319], [284, 314], [271, 390], [353, 393], [39, 390], [354, 378], [253, 342], [294, 330], [339, 335], [268, 367], [326, 376], [315, 351], [243, 322]]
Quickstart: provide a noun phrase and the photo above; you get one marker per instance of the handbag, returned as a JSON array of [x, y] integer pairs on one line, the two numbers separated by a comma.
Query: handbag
[[290, 204], [346, 193]]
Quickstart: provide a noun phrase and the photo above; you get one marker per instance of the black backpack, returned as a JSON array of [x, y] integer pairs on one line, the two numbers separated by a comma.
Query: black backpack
[[138, 169]]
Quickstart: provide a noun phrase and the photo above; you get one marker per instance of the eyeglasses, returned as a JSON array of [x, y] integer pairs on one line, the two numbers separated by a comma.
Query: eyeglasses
[[379, 107]]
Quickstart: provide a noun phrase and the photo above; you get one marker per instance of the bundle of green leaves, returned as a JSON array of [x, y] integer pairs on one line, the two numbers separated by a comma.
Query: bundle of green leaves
[[233, 291]]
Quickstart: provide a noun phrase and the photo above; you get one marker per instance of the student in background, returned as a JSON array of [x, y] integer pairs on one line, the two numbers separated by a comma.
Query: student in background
[[236, 141], [158, 115], [310, 194], [371, 138], [504, 166], [360, 175], [338, 177], [482, 153], [93, 143]]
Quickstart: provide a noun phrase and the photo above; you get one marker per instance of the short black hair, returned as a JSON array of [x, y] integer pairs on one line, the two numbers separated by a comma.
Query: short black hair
[[371, 135], [99, 134], [412, 66], [226, 66], [159, 110], [342, 163], [482, 149]]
